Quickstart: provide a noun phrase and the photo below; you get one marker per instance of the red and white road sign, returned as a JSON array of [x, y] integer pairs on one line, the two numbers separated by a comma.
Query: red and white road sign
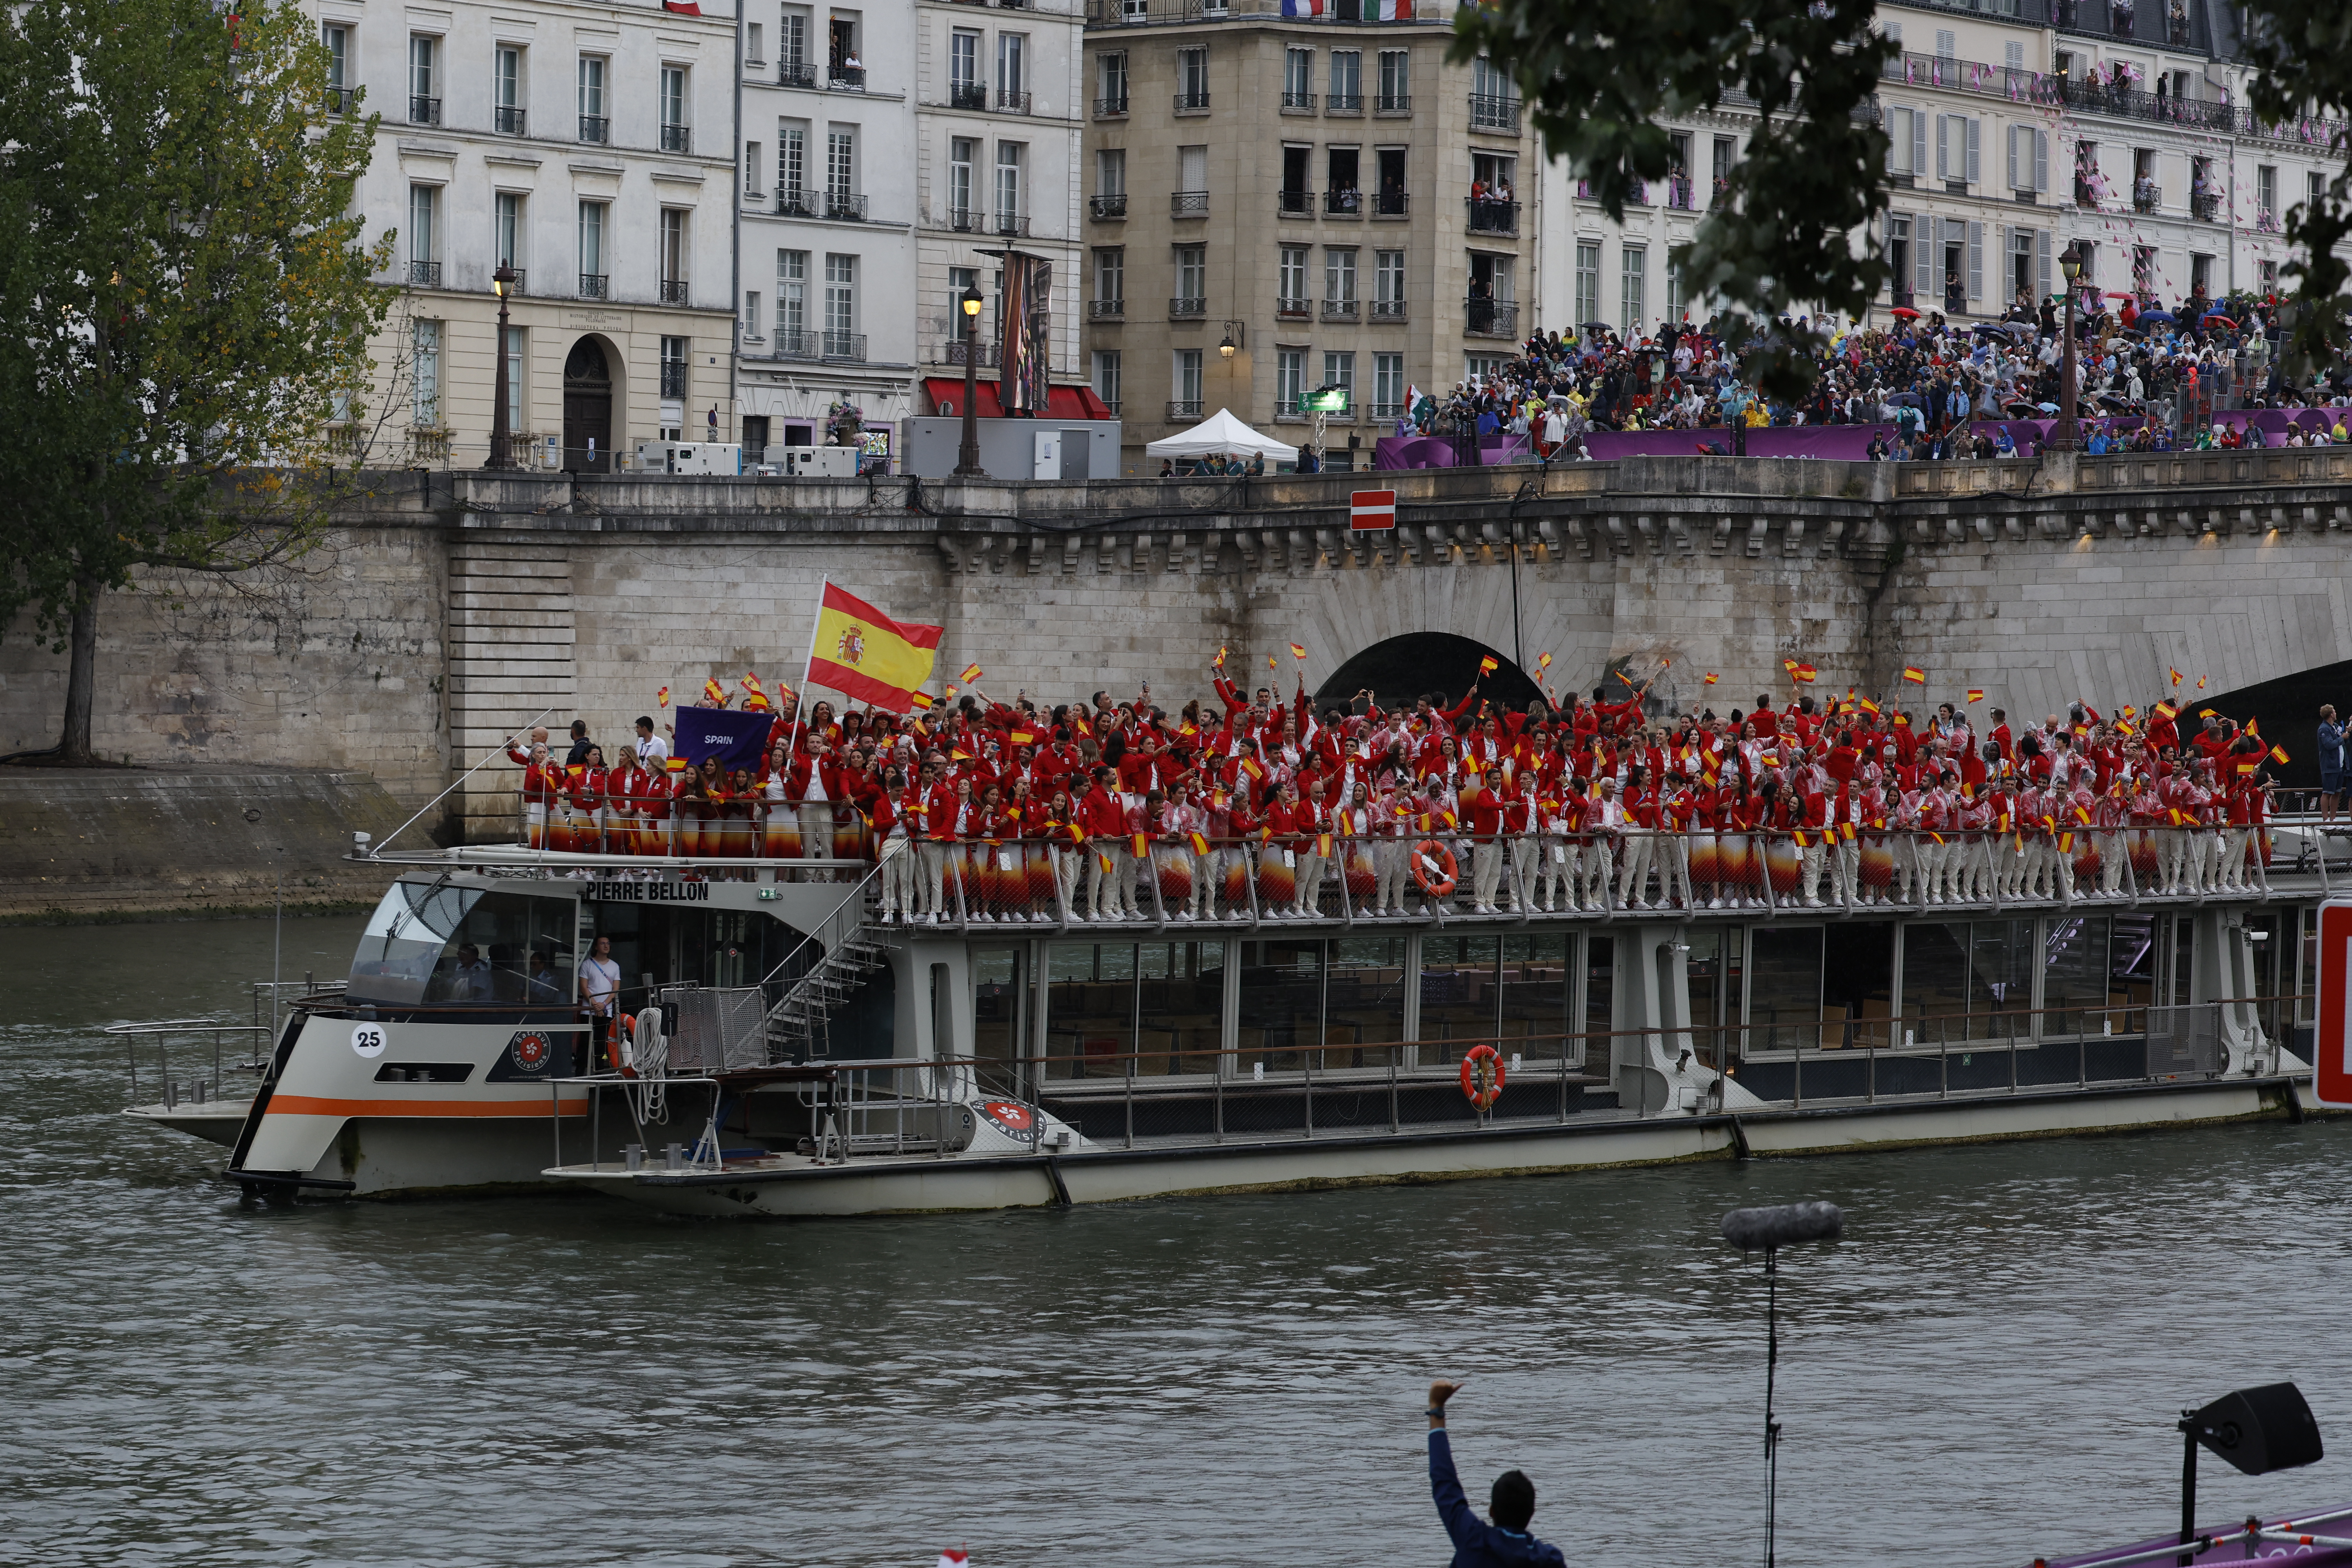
[[2331, 1044], [1371, 510]]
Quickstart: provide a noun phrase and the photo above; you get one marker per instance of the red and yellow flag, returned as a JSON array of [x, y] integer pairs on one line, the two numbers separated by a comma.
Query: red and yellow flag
[[971, 675], [1139, 845], [1200, 844], [863, 653], [1867, 706], [2167, 710], [661, 698], [2174, 673], [1298, 652], [1489, 665], [713, 690], [2278, 755], [921, 699], [1976, 693], [1806, 674], [1914, 675], [1712, 680], [751, 683]]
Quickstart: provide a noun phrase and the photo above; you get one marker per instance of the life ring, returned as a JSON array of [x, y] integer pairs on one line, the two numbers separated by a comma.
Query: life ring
[[1434, 869], [625, 1046], [1482, 1076]]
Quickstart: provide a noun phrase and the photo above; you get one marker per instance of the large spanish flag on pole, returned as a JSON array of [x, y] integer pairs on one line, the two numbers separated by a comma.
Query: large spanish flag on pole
[[865, 654]]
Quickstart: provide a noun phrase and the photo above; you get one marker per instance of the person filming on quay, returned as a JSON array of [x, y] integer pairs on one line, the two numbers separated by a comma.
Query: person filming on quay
[[1511, 1504]]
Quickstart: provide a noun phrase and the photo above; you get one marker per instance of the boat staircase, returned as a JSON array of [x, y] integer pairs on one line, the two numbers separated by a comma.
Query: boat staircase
[[840, 954]]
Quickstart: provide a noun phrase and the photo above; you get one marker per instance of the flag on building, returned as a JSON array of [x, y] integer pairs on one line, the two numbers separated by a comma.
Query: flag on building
[[1305, 7], [865, 654]]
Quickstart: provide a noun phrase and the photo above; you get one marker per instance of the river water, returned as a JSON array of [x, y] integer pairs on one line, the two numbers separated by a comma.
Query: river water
[[1986, 1370]]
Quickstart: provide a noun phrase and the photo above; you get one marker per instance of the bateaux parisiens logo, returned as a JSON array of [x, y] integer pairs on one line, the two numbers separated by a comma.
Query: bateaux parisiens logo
[[530, 1049]]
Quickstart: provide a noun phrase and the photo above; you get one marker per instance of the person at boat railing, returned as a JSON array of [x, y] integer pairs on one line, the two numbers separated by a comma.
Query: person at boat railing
[[600, 988], [1511, 1504]]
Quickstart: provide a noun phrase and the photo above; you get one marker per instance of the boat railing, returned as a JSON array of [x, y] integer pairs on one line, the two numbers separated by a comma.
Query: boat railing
[[195, 1033]]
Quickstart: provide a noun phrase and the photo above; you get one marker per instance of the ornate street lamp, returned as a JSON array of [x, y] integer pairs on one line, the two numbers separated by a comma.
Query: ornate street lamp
[[501, 438], [968, 457], [2068, 435]]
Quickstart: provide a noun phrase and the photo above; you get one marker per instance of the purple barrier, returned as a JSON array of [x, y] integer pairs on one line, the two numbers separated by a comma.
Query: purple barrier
[[1605, 445], [1836, 443], [1494, 449], [1411, 452]]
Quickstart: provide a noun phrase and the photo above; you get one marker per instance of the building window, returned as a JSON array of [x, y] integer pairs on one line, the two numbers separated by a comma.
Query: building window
[[593, 278], [1297, 78], [423, 226], [1186, 382], [423, 79], [1388, 386], [1588, 282], [965, 90], [1110, 282], [673, 256], [752, 166], [1630, 306], [511, 228], [1289, 379], [1013, 72], [1110, 172], [752, 315], [963, 152], [845, 67], [1110, 83], [1009, 213], [1675, 300], [1290, 289], [755, 48], [338, 40], [677, 133], [792, 298], [1106, 377], [594, 124], [1339, 275], [792, 167], [792, 48], [1346, 79], [1905, 129], [515, 360], [2267, 203], [1388, 280], [425, 375], [1339, 371], [1192, 78], [840, 164], [1396, 80], [840, 302], [1193, 273], [674, 360], [506, 92]]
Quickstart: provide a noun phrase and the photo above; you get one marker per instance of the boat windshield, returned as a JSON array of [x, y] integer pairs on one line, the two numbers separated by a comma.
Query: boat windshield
[[429, 942]]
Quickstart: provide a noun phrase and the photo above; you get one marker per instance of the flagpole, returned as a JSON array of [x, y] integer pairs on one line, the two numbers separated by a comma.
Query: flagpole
[[800, 708]]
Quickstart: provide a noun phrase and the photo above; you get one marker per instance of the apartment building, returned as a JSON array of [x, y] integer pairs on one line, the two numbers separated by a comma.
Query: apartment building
[[2016, 126], [587, 147], [886, 150], [1276, 203]]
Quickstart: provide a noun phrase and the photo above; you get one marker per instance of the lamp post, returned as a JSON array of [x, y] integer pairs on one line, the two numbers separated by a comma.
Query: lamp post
[[502, 438], [968, 456], [2068, 436]]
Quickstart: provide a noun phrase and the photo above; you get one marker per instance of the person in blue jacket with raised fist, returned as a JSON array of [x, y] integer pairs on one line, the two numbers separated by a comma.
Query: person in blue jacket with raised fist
[[1512, 1503]]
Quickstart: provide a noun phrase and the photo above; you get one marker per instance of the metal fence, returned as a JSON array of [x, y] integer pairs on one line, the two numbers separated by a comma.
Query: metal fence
[[714, 1028]]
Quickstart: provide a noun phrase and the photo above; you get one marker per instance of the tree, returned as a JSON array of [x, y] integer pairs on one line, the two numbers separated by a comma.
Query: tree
[[191, 301]]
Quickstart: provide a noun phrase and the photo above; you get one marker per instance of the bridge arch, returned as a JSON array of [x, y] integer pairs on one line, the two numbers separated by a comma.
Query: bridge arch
[[1399, 669]]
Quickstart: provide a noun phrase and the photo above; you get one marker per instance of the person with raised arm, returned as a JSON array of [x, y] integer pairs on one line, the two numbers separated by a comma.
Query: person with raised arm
[[1510, 1505]]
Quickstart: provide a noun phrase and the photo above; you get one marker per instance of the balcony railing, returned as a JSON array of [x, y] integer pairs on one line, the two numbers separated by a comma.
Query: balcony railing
[[963, 220], [1186, 308], [595, 128], [956, 350], [1339, 310], [1344, 103], [796, 73], [968, 95], [1298, 102], [1347, 203], [1111, 107], [1680, 194], [2206, 208], [1490, 317], [595, 285], [849, 346], [842, 205], [1192, 102], [677, 138], [1013, 102], [1108, 309], [1298, 308], [1393, 103], [845, 78], [1388, 310], [676, 291], [1188, 203], [1392, 203], [2146, 201], [1488, 215], [424, 274], [673, 378], [1382, 411], [791, 342], [341, 99], [508, 121], [1488, 112], [795, 204], [1105, 208], [1013, 225], [1183, 408], [424, 111], [1293, 203]]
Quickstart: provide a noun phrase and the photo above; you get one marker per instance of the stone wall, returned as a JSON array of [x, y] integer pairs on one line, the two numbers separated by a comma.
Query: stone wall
[[458, 607]]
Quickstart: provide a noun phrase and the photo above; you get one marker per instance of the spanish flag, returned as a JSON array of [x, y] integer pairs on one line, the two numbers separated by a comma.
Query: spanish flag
[[1139, 845], [1200, 844], [2167, 710], [971, 675], [1711, 680], [1976, 694], [1543, 661], [1488, 665], [863, 653], [1914, 675], [751, 683], [921, 700], [713, 690], [1867, 706], [1024, 737], [2278, 755], [661, 698], [1806, 674], [2175, 674], [1323, 845], [1298, 652], [1220, 662]]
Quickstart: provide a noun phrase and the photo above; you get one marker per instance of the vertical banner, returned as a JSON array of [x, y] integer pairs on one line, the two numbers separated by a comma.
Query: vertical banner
[[1027, 320]]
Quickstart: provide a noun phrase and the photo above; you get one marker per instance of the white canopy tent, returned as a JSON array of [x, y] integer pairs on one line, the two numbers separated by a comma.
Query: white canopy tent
[[1221, 435]]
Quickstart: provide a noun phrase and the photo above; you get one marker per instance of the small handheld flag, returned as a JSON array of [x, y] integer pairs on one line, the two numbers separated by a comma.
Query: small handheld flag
[[2278, 755], [1543, 661], [2167, 710], [1914, 675], [2200, 683], [1298, 652], [2175, 674], [1219, 663], [1976, 694], [713, 690], [971, 675], [921, 700], [1269, 661], [1488, 665], [1807, 674], [661, 698], [1713, 678]]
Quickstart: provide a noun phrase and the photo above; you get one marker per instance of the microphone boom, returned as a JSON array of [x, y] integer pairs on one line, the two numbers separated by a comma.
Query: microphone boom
[[1782, 1224]]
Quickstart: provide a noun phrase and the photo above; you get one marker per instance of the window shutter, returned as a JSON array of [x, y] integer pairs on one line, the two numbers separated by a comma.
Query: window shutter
[[1918, 142], [2042, 161], [2000, 235], [2041, 262], [1976, 257], [2012, 157], [1943, 147], [1973, 124], [1928, 282]]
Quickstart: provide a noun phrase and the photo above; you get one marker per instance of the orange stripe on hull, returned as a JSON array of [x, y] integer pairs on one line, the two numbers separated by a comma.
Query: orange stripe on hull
[[313, 1105]]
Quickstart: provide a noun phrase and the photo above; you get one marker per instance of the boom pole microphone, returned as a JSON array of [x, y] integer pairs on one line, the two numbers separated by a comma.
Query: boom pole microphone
[[1768, 1230]]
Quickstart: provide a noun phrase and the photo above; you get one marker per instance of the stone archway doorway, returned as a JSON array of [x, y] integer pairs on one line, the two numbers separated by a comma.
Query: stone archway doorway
[[587, 409]]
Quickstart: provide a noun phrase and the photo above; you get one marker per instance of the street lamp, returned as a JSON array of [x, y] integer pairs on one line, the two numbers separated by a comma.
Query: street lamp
[[502, 438], [1225, 345], [968, 456], [2067, 436]]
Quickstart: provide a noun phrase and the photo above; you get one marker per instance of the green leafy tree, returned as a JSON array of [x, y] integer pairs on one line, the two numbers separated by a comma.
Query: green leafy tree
[[187, 298]]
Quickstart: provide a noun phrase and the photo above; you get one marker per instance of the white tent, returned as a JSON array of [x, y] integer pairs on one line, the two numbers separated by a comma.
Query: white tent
[[1221, 435]]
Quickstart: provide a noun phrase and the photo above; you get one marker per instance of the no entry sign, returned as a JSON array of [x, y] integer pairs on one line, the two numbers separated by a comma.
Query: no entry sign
[[2331, 1044], [1371, 509]]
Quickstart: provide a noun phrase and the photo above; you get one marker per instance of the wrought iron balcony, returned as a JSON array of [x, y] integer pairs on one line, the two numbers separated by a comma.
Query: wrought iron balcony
[[849, 208], [1111, 107], [676, 291], [845, 78], [595, 285], [677, 138], [1108, 309], [1488, 215], [1183, 408], [424, 111], [1112, 207], [1340, 309], [1298, 308], [1293, 203], [1392, 203], [508, 121], [1011, 102], [1344, 103], [424, 274], [673, 378], [967, 95], [1490, 113], [595, 128], [796, 73], [1187, 308], [845, 346], [1490, 317], [795, 204], [1188, 203], [1192, 102]]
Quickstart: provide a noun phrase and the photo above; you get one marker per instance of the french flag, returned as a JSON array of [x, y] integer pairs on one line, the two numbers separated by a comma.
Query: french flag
[[1305, 7]]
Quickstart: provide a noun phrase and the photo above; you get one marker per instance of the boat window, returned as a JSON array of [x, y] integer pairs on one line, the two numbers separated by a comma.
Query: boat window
[[1160, 1000], [996, 1014], [2075, 976], [1365, 1006], [1458, 995], [1858, 985], [435, 942], [1784, 989]]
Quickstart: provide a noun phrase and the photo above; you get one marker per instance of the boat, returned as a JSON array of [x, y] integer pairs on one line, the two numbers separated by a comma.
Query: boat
[[783, 1048]]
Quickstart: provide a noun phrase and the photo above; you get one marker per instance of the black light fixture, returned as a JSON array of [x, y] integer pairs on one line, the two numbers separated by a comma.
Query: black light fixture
[[501, 438], [1226, 346], [967, 455], [1767, 1230], [2258, 1430]]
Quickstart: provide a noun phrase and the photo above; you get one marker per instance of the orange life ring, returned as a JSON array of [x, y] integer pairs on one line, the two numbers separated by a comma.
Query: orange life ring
[[1434, 869], [1482, 1076]]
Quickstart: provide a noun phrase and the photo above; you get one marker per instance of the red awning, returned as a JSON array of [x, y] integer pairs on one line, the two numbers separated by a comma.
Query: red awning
[[944, 395]]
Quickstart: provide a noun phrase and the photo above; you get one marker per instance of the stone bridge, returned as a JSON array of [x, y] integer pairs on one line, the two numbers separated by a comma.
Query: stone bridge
[[444, 609]]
